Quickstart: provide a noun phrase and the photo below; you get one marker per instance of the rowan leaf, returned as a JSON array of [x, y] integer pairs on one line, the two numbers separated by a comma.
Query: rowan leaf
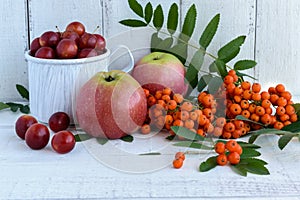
[[133, 23], [3, 106], [22, 91], [102, 141], [155, 41], [191, 144], [203, 82], [172, 22], [158, 17], [136, 7], [209, 164], [214, 84], [180, 51], [186, 133], [293, 127], [244, 64], [188, 24], [194, 67], [165, 45], [239, 169], [285, 139], [250, 152], [82, 137], [148, 12], [231, 49], [210, 31], [127, 138]]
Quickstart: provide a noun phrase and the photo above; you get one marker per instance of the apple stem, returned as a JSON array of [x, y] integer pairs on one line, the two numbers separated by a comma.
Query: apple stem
[[96, 29], [109, 79], [156, 58]]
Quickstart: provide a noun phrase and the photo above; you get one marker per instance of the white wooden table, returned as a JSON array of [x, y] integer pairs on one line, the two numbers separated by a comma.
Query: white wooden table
[[44, 174]]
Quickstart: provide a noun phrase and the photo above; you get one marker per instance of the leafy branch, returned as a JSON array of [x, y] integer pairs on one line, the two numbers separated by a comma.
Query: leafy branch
[[14, 107], [178, 45]]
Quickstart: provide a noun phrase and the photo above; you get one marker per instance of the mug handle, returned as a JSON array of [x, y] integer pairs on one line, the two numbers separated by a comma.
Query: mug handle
[[130, 66]]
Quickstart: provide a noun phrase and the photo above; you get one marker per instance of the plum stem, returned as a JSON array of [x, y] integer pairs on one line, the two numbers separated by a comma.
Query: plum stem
[[96, 29]]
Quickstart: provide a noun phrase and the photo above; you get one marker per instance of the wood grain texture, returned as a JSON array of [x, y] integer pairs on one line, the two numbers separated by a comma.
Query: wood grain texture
[[277, 45], [14, 40]]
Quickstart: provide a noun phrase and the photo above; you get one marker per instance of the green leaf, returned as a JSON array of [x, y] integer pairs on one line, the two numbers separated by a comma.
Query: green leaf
[[195, 66], [255, 134], [256, 168], [102, 141], [210, 31], [239, 169], [241, 117], [209, 164], [136, 7], [285, 139], [180, 51], [203, 82], [25, 109], [14, 106], [188, 24], [186, 133], [23, 91], [219, 67], [172, 19], [165, 45], [214, 84], [250, 152], [155, 41], [294, 127], [170, 137], [158, 18], [127, 138], [150, 154], [248, 145], [82, 137], [191, 144], [244, 64], [3, 106], [148, 12], [242, 74], [231, 49], [133, 23], [245, 161], [297, 108], [253, 138]]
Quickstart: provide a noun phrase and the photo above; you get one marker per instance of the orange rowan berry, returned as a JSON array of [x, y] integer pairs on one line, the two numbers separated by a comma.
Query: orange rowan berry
[[260, 111], [236, 133], [158, 94], [293, 117], [231, 145], [244, 131], [252, 108], [244, 104], [151, 101], [274, 98], [167, 91], [207, 100], [266, 119], [269, 110], [160, 122], [202, 120], [265, 95], [286, 123], [238, 91], [220, 147], [178, 98], [189, 124], [207, 112], [239, 124], [178, 122], [168, 119], [280, 110], [247, 94], [254, 117], [235, 109], [287, 95], [289, 109], [208, 128], [200, 96], [281, 101], [188, 106], [273, 119], [176, 115], [230, 88], [180, 155], [218, 131], [184, 115], [222, 159], [229, 127], [172, 105], [226, 135], [161, 102], [256, 96], [193, 116], [290, 102], [232, 72], [256, 87], [220, 122], [246, 113], [235, 78], [278, 125], [145, 129], [228, 79], [168, 126], [246, 85], [239, 150], [266, 103], [199, 112], [272, 90], [147, 93], [247, 127], [166, 98], [177, 163], [233, 158], [157, 112], [237, 99], [201, 132], [284, 117], [280, 88]]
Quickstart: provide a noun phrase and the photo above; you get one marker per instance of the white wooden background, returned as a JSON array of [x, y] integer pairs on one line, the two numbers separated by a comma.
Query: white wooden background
[[272, 29]]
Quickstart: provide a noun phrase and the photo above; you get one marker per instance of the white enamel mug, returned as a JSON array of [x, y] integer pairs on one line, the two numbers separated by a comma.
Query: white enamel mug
[[54, 83]]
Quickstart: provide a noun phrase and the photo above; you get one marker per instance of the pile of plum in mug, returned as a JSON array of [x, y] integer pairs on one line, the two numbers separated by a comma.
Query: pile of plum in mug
[[72, 43]]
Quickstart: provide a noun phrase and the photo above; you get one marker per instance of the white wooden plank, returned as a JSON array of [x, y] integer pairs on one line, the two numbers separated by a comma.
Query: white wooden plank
[[45, 15], [14, 41], [278, 43], [237, 18]]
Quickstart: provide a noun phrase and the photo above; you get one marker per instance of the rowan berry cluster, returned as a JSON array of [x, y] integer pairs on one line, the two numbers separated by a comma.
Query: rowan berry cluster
[[178, 161], [228, 152]]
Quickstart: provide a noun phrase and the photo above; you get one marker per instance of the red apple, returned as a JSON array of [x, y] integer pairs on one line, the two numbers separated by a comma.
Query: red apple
[[76, 27], [100, 43], [87, 52], [45, 52], [66, 49], [34, 46], [111, 104], [23, 123], [37, 136], [71, 35], [87, 40], [49, 39], [158, 70]]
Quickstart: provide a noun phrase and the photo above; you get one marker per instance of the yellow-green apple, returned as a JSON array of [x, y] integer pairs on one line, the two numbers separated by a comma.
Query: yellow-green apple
[[111, 104], [158, 70]]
